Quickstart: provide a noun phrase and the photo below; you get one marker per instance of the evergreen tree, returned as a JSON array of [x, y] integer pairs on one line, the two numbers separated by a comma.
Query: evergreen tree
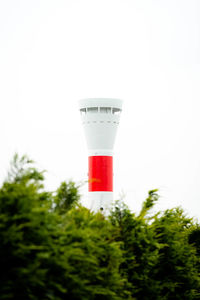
[[51, 247], [160, 252]]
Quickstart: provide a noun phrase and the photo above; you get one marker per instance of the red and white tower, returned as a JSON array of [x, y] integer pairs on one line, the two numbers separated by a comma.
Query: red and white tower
[[100, 119]]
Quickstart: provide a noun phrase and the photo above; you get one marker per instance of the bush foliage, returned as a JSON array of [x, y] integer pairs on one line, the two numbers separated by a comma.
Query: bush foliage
[[53, 248]]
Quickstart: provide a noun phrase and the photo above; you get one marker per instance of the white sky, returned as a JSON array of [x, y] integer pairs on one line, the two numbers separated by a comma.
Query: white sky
[[52, 53]]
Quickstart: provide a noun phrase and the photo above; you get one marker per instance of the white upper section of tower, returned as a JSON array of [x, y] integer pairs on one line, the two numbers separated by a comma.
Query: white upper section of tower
[[100, 102], [100, 118]]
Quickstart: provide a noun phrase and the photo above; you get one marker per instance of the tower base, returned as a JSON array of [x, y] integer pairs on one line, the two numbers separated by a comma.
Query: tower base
[[100, 201]]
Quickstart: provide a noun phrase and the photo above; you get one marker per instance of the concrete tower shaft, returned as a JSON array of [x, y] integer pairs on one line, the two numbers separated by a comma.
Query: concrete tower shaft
[[100, 119]]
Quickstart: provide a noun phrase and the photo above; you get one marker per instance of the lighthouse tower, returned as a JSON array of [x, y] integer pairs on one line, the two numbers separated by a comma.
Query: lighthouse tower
[[100, 119]]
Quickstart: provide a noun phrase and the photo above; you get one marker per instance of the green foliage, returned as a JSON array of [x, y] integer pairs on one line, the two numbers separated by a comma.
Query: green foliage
[[49, 253], [66, 197], [53, 248], [140, 249], [177, 265], [21, 170], [149, 203], [160, 252]]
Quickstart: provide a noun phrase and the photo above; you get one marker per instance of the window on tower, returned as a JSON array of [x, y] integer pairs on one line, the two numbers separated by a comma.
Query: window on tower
[[116, 111], [105, 110], [83, 111], [92, 109]]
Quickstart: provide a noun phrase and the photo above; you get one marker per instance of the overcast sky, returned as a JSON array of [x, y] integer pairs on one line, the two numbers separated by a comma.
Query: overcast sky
[[53, 53]]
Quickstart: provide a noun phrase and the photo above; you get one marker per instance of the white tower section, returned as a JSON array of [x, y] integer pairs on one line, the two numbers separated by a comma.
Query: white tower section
[[100, 119]]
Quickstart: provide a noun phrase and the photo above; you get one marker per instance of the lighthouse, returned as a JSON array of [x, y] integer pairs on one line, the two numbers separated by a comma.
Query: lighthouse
[[100, 120]]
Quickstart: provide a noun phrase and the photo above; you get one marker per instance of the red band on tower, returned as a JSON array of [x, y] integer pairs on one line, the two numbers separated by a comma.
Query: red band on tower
[[100, 174]]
